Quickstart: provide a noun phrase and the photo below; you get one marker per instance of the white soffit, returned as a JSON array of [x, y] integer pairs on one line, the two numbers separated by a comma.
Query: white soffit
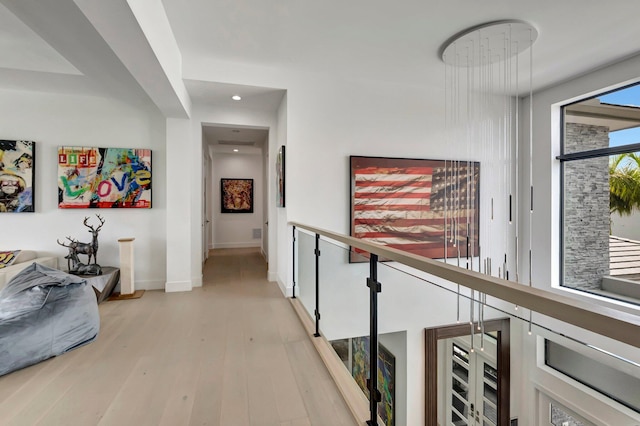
[[224, 139], [594, 113], [22, 49], [219, 94]]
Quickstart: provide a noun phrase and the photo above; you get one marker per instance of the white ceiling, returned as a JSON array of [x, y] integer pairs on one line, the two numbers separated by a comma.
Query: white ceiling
[[53, 46], [398, 40], [23, 49]]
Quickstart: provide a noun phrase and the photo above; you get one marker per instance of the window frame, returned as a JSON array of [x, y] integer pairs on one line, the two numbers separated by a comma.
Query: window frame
[[581, 155]]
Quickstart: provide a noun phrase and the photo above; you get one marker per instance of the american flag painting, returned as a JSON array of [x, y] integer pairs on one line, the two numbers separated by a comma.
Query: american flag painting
[[421, 206]]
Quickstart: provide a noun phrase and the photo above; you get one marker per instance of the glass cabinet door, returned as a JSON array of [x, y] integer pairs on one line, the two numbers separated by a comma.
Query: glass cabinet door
[[472, 388]]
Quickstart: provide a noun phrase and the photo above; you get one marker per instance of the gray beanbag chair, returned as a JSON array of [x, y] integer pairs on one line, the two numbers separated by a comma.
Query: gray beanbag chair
[[44, 312]]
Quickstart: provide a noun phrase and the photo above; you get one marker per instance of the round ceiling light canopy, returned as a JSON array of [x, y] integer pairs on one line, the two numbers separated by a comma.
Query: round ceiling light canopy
[[488, 43]]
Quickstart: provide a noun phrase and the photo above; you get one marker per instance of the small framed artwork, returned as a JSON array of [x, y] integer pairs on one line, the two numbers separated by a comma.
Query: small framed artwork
[[236, 195], [280, 177], [17, 176], [90, 177]]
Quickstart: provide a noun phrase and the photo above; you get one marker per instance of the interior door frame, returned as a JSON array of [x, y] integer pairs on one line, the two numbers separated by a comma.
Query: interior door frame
[[432, 335]]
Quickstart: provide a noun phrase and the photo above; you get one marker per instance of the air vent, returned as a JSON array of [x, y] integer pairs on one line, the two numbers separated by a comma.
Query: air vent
[[237, 143]]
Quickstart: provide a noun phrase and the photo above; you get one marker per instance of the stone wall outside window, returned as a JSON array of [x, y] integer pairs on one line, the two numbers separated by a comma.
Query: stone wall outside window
[[586, 208]]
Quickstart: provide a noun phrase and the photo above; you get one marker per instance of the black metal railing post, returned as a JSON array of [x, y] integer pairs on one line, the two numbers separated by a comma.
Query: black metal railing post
[[294, 263], [374, 288], [317, 311]]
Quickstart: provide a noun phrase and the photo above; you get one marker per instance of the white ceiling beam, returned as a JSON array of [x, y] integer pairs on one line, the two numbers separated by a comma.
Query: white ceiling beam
[[65, 28], [139, 34]]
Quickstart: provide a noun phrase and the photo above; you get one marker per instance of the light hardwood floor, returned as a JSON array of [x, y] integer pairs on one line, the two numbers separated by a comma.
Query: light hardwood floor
[[230, 353]]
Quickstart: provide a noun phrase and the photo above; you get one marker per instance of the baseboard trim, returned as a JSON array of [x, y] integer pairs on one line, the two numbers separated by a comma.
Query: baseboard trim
[[196, 281], [175, 286], [286, 291], [148, 285], [236, 245]]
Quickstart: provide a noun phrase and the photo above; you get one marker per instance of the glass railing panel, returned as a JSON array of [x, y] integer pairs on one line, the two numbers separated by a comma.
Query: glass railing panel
[[306, 270], [409, 304], [344, 308], [473, 385], [344, 295]]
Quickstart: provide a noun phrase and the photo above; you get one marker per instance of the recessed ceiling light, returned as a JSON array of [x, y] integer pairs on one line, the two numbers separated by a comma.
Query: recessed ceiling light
[[236, 150], [236, 97]]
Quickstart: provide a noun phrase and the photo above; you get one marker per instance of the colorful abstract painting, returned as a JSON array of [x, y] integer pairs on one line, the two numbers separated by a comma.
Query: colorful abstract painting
[[90, 177], [17, 175], [420, 206], [236, 195], [360, 355]]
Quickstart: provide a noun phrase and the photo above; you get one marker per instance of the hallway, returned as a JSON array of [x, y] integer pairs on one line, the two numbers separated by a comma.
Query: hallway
[[274, 367], [231, 353]]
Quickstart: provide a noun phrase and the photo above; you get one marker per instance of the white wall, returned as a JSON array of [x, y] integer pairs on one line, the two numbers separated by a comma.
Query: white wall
[[284, 251], [52, 120], [626, 226], [234, 230]]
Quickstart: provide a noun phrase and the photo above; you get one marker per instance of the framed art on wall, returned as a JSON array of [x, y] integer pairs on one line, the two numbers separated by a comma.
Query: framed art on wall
[[236, 195], [90, 177], [420, 206], [17, 176], [280, 177], [360, 356]]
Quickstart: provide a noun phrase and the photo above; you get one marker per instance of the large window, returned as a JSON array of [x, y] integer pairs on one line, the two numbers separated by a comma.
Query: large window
[[600, 161]]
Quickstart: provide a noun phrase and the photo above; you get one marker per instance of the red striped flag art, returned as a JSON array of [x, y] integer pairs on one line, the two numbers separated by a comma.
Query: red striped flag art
[[421, 206]]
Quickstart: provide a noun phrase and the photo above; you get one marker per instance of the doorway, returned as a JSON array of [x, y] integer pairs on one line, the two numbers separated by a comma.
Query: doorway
[[238, 153], [448, 353]]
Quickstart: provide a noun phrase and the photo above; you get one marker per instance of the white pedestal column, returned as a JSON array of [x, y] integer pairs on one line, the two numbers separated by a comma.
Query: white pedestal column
[[126, 266]]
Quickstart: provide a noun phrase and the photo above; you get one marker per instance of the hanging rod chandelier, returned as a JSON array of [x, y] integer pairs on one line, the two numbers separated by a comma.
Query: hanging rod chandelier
[[485, 75]]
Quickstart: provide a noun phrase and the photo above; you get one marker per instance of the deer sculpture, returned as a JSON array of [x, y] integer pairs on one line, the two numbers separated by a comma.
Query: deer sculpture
[[72, 257], [91, 249]]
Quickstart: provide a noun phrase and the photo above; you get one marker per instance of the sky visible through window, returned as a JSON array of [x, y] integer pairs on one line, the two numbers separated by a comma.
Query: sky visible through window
[[629, 96]]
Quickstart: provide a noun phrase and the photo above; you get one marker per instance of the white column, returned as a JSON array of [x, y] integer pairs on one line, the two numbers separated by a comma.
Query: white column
[[180, 184], [126, 266]]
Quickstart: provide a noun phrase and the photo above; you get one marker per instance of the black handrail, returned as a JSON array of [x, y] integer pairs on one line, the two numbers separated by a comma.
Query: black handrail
[[294, 263], [317, 311]]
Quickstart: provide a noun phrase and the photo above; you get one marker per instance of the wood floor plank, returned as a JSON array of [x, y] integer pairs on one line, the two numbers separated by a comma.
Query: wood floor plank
[[287, 321], [235, 406], [262, 395], [290, 402], [310, 376]]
